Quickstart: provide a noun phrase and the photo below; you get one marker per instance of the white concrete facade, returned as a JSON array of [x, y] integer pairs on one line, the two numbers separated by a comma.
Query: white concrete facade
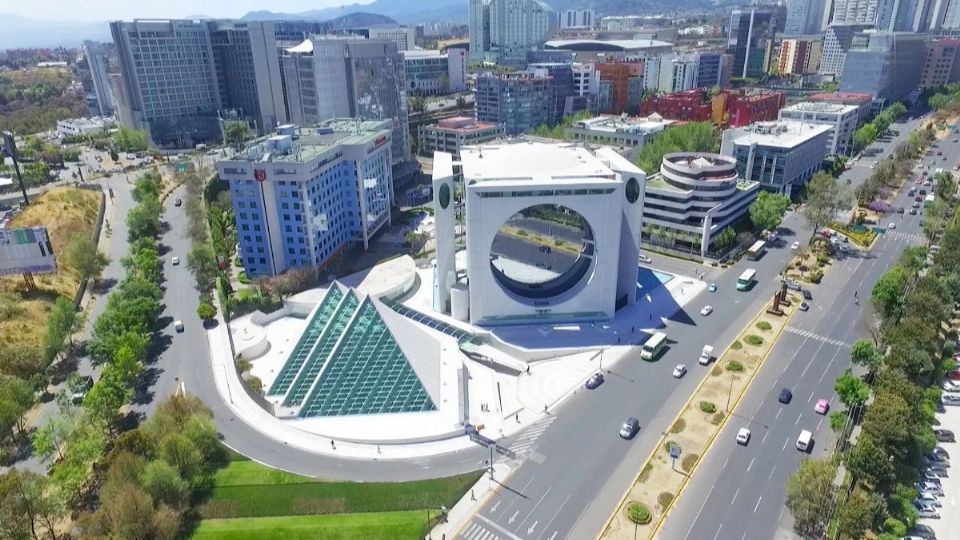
[[605, 189], [841, 118]]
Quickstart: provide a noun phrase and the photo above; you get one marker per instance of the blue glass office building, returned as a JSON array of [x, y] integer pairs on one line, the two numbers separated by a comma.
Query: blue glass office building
[[304, 195]]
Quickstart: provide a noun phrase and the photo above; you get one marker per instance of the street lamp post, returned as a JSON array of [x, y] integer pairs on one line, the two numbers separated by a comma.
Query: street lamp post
[[730, 392]]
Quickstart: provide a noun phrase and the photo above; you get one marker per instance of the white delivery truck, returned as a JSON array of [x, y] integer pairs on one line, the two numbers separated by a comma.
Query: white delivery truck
[[706, 355]]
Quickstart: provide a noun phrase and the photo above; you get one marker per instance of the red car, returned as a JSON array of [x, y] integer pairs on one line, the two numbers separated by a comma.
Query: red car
[[954, 375]]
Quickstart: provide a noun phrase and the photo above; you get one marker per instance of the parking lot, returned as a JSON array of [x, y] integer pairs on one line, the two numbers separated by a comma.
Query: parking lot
[[947, 525]]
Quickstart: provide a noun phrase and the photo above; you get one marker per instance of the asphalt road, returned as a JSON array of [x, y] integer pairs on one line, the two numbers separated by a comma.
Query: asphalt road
[[581, 446], [739, 492]]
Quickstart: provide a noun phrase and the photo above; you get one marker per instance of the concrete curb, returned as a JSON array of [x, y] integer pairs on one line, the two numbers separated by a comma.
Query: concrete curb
[[709, 444], [454, 530]]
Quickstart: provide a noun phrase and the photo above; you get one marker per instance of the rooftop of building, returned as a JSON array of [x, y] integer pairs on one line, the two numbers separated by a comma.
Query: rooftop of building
[[700, 161], [828, 107], [295, 144], [611, 123], [842, 97], [606, 45], [463, 124], [781, 134], [533, 162], [423, 53]]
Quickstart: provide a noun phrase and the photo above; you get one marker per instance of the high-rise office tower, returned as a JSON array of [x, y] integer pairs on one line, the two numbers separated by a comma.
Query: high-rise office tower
[[888, 65], [804, 17], [749, 41], [403, 36], [576, 18], [97, 62], [854, 11], [169, 80], [328, 77], [180, 77], [836, 43], [503, 31]]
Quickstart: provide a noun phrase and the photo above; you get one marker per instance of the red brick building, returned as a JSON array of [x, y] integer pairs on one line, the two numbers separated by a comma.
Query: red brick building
[[690, 106], [739, 109]]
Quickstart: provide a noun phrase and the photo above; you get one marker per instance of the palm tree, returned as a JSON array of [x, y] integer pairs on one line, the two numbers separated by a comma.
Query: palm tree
[[461, 103]]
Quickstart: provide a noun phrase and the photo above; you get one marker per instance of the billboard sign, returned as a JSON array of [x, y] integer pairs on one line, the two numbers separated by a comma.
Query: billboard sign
[[26, 250]]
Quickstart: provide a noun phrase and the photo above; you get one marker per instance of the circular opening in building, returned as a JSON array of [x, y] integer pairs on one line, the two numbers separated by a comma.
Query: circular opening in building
[[444, 195], [633, 190], [542, 251]]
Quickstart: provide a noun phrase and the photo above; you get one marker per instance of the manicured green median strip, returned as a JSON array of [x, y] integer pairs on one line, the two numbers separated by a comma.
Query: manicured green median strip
[[380, 525]]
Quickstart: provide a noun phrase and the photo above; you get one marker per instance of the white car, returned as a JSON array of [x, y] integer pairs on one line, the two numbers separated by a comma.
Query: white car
[[175, 261], [679, 371], [645, 260], [706, 310], [950, 386], [892, 226], [178, 325], [795, 245], [743, 436]]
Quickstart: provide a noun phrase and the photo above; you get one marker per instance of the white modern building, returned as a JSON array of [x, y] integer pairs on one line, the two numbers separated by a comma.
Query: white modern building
[[678, 72], [553, 233], [692, 199], [97, 62], [841, 118], [585, 79], [451, 134], [403, 36], [430, 72], [781, 155], [620, 131], [83, 126], [577, 18]]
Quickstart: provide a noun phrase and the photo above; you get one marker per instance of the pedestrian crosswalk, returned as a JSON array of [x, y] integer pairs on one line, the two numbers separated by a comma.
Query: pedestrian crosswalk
[[476, 531], [919, 238], [528, 437], [810, 335]]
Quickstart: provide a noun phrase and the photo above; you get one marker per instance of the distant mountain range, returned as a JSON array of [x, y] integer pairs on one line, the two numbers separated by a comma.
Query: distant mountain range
[[403, 11], [350, 20]]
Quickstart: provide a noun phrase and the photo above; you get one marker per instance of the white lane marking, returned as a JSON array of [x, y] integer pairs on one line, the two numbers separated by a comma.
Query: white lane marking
[[819, 423], [513, 517], [750, 466], [735, 496], [470, 530], [553, 536], [718, 532], [809, 399], [532, 526], [495, 506], [744, 537], [532, 510], [696, 517], [798, 419], [785, 444], [554, 516], [771, 472], [499, 529], [757, 505], [782, 508], [778, 413], [764, 437], [725, 463]]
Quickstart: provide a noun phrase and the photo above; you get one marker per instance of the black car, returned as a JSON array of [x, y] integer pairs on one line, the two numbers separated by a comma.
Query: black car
[[900, 210], [594, 381], [945, 435], [177, 202], [785, 395], [807, 295], [804, 306], [923, 531]]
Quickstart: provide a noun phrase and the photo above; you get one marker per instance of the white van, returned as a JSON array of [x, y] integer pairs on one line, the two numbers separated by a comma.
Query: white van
[[804, 440]]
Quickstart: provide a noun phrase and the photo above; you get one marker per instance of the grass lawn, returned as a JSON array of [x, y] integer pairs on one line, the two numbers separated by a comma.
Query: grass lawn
[[382, 525], [247, 489]]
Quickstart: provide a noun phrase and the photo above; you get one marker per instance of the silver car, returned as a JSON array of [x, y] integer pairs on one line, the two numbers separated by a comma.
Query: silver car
[[630, 428]]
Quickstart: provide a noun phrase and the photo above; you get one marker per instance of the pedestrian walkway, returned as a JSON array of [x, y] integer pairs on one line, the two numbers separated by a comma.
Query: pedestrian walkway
[[810, 335], [523, 444], [919, 238]]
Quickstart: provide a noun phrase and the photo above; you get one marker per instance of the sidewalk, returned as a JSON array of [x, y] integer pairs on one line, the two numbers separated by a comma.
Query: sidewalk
[[467, 506]]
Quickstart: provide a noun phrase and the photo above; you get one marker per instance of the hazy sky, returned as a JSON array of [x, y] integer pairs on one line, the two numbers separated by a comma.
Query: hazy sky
[[103, 10]]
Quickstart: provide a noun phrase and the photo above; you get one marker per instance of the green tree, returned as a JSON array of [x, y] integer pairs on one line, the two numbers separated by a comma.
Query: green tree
[[144, 220], [418, 104], [461, 103], [945, 187], [855, 516], [147, 186], [865, 354], [692, 137], [864, 136], [178, 451], [824, 199], [767, 211], [62, 321], [82, 255], [130, 140], [27, 508], [50, 438], [104, 400], [206, 311], [851, 389], [809, 490], [16, 398], [165, 485], [236, 132], [837, 421], [887, 292], [938, 101], [726, 238], [22, 361], [869, 463], [203, 263], [888, 422]]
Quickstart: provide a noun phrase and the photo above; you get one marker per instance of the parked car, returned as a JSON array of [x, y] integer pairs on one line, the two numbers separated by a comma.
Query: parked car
[[923, 532], [785, 395], [807, 295], [594, 381], [945, 435], [804, 306], [79, 390], [679, 371], [929, 487], [630, 428], [929, 499], [743, 436], [939, 452], [951, 399], [950, 386], [177, 202]]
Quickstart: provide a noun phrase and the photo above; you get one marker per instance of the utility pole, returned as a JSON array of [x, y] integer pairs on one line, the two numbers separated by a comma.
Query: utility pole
[[10, 147]]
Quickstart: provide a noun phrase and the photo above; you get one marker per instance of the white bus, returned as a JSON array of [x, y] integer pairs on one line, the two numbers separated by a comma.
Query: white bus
[[757, 250], [746, 279], [654, 346]]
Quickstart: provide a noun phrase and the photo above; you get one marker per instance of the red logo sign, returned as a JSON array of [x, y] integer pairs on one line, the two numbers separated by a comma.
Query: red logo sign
[[260, 175]]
